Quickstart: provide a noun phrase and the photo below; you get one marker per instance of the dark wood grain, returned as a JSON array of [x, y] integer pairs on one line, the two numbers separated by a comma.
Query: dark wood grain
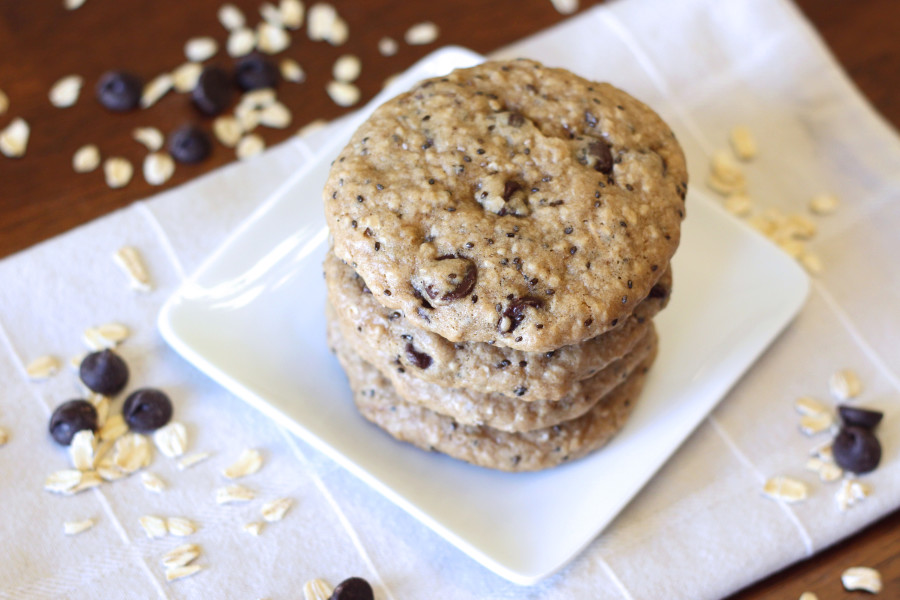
[[41, 196]]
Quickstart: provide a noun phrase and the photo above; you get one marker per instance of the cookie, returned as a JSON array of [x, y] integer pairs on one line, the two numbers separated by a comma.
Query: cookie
[[485, 446], [510, 204], [468, 407], [388, 340]]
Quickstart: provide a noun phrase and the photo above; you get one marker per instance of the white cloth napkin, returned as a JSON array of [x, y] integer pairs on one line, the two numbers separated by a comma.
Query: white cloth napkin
[[700, 529]]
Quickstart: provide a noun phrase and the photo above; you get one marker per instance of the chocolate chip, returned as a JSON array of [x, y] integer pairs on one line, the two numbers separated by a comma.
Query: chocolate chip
[[856, 449], [520, 391], [515, 120], [355, 588], [189, 145], [71, 417], [255, 72], [510, 188], [515, 312], [104, 372], [658, 291], [603, 161], [213, 91], [419, 359], [461, 286], [119, 91], [147, 410], [860, 417], [590, 119]]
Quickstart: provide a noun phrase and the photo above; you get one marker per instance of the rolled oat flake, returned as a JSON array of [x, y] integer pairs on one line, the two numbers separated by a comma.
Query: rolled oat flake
[[14, 139], [117, 171], [421, 33], [158, 168], [861, 578], [65, 92]]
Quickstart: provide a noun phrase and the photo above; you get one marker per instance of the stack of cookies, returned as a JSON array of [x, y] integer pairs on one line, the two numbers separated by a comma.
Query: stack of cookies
[[501, 243]]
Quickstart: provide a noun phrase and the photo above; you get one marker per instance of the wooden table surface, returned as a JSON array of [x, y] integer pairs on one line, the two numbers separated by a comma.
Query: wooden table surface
[[41, 196]]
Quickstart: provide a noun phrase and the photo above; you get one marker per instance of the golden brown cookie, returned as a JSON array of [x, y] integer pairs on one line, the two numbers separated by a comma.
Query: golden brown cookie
[[485, 446], [509, 203], [470, 407], [390, 342]]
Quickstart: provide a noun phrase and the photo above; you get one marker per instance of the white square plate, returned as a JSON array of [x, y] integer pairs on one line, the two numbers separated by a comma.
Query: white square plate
[[252, 318]]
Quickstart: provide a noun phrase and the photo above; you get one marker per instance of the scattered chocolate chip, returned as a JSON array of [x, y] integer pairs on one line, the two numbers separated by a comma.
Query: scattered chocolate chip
[[71, 417], [147, 410], [104, 372], [520, 391], [119, 91], [355, 588], [856, 449], [502, 364], [255, 72], [213, 91], [590, 119], [189, 145], [419, 359], [860, 417], [515, 120]]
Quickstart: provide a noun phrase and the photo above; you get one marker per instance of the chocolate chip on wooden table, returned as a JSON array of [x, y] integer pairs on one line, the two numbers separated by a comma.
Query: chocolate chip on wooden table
[[213, 91], [146, 410], [119, 91], [856, 449], [189, 145], [860, 417], [104, 372], [71, 417], [355, 588], [255, 72]]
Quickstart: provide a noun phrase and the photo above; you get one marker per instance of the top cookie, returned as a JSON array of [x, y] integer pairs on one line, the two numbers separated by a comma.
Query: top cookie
[[509, 203]]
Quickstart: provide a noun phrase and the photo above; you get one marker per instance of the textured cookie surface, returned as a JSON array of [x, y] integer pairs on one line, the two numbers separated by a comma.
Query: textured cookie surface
[[389, 341], [485, 446], [468, 407], [509, 203]]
